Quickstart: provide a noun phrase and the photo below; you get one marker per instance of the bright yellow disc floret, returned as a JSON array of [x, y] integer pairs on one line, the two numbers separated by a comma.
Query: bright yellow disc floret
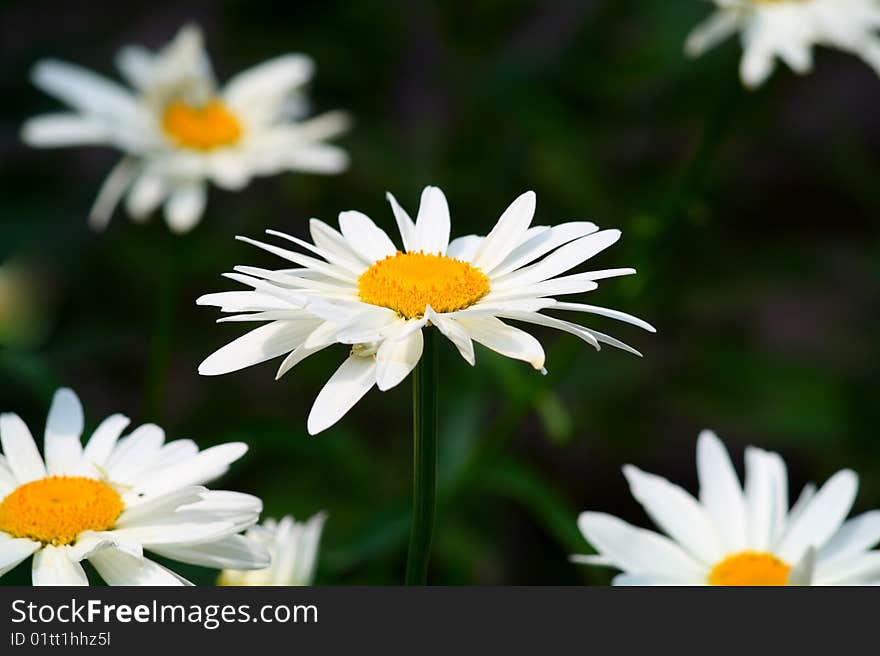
[[408, 282], [201, 128], [55, 510]]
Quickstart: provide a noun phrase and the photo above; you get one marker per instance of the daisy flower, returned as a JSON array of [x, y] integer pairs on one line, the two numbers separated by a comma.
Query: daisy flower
[[293, 547], [738, 535], [178, 131], [788, 29], [108, 501], [355, 287]]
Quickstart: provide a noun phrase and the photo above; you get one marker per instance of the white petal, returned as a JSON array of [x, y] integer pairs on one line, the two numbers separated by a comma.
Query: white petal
[[677, 513], [134, 453], [715, 29], [112, 191], [366, 237], [855, 536], [185, 206], [317, 158], [258, 345], [118, 568], [637, 551], [337, 249], [20, 449], [397, 357], [454, 332], [135, 64], [803, 572], [720, 491], [65, 129], [275, 77], [84, 90], [53, 566], [821, 518], [542, 243], [560, 261], [432, 222], [404, 224], [100, 445], [504, 339], [464, 248], [858, 570], [551, 322], [507, 234], [345, 388], [206, 466], [63, 431], [234, 552], [15, 550], [146, 194], [766, 495], [605, 312]]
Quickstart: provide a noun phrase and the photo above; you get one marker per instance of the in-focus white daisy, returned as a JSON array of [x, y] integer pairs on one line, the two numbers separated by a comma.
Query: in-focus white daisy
[[788, 29], [179, 131], [293, 547], [108, 501], [356, 288], [739, 535]]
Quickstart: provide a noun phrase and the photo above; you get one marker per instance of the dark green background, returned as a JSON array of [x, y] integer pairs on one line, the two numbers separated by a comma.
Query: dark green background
[[752, 218]]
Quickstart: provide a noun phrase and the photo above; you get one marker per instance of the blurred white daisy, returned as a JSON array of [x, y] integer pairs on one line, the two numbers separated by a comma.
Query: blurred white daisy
[[107, 501], [293, 547], [362, 291], [788, 29], [179, 131], [735, 535]]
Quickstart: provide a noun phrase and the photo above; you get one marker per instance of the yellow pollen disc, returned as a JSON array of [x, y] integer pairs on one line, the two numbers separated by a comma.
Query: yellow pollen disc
[[56, 509], [750, 568], [201, 128], [408, 282]]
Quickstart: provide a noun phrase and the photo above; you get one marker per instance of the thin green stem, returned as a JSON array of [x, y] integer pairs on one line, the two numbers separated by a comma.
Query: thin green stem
[[424, 462]]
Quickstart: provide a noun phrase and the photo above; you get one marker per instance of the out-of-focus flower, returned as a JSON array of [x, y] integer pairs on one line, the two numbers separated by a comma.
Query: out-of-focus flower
[[293, 547], [110, 499], [739, 535], [788, 29], [179, 131], [363, 292], [24, 305]]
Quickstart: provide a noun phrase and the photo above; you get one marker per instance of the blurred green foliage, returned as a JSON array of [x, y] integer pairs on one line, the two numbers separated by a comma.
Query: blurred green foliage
[[752, 218]]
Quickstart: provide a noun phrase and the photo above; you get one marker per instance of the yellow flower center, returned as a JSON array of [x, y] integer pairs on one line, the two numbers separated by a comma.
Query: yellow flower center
[[55, 510], [201, 128], [408, 282], [750, 568]]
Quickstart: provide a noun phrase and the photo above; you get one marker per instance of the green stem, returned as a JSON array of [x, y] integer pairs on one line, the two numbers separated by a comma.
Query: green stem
[[424, 462]]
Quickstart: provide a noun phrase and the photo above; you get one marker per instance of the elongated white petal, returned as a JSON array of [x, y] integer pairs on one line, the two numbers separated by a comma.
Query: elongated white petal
[[145, 196], [20, 450], [261, 344], [857, 535], [202, 468], [119, 568], [677, 513], [65, 129], [15, 550], [345, 388], [54, 566], [720, 491], [396, 358], [404, 224], [85, 91], [454, 332], [551, 322], [366, 237], [112, 191], [63, 430], [432, 222], [185, 206], [504, 339], [234, 552], [274, 77], [821, 518], [715, 29], [507, 234], [605, 312], [337, 249], [542, 243], [766, 495], [637, 551], [464, 248]]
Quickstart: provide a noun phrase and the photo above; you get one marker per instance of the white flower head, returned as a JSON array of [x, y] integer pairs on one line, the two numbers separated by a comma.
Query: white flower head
[[179, 131], [738, 535], [112, 498], [356, 288], [293, 547], [788, 30]]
